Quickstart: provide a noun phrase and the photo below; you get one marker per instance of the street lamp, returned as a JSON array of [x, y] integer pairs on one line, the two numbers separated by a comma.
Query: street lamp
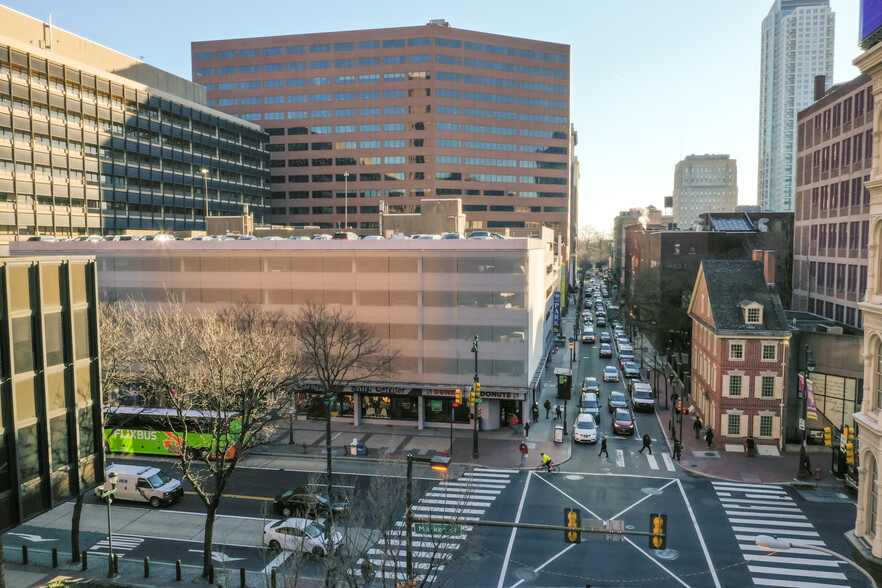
[[776, 544], [808, 367], [107, 495], [475, 454], [346, 199], [438, 463], [204, 172]]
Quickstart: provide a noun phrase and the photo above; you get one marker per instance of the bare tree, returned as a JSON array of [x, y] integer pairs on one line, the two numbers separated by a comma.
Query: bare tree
[[235, 368], [593, 246]]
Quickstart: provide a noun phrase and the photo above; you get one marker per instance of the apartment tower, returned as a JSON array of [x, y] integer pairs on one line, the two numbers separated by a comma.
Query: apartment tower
[[797, 45], [704, 183]]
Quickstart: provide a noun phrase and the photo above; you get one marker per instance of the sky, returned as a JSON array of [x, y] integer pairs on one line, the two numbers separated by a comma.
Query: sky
[[651, 81]]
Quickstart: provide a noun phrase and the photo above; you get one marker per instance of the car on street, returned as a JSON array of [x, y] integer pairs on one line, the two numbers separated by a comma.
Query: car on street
[[623, 422], [605, 337], [631, 370], [610, 374], [605, 350], [300, 535], [590, 385], [585, 429], [588, 404], [642, 396], [303, 502], [601, 321], [588, 335], [617, 400], [586, 316]]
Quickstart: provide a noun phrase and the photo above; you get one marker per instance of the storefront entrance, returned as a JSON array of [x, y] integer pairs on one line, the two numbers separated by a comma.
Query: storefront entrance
[[508, 408]]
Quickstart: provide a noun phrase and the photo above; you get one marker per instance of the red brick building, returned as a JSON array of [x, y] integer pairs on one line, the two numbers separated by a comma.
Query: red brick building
[[740, 350]]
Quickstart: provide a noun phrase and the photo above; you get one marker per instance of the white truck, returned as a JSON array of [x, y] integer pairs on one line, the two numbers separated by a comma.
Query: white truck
[[140, 483]]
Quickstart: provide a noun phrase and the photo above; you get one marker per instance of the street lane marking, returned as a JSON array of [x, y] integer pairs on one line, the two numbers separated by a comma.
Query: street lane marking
[[650, 458], [539, 569], [794, 550], [747, 513], [802, 561], [752, 539], [669, 463], [778, 583], [707, 557], [620, 458], [769, 497], [777, 531], [730, 485], [497, 471], [514, 532], [763, 502], [278, 561], [617, 515], [659, 564], [756, 508], [803, 573], [779, 523]]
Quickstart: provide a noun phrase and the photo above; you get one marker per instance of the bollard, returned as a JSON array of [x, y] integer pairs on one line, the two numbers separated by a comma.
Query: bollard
[[241, 577], [85, 561], [115, 564], [818, 474], [54, 557], [178, 571], [109, 566], [210, 574], [146, 567], [24, 555], [273, 578]]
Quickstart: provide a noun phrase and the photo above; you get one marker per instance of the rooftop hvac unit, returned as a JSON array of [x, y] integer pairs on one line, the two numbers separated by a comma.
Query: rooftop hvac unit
[[830, 329]]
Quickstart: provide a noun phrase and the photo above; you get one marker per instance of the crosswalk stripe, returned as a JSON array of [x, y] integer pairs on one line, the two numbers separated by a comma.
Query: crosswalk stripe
[[454, 502], [471, 485], [747, 501], [795, 572], [669, 463], [784, 498], [779, 583], [778, 523], [424, 544], [719, 483], [620, 458], [494, 471], [417, 554], [651, 460], [793, 550], [802, 561], [747, 513], [759, 489], [752, 539], [482, 474], [455, 511], [761, 508], [464, 488], [776, 531]]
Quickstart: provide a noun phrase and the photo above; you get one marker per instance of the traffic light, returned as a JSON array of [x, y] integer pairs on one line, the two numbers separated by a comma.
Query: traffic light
[[679, 405], [457, 400], [828, 436], [573, 520], [849, 452], [658, 524], [477, 396], [472, 397]]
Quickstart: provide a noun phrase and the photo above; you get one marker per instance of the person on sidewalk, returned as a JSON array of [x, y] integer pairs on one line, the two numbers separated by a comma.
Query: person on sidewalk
[[547, 406], [535, 411], [524, 452], [677, 449], [557, 412], [709, 437], [514, 422], [603, 447], [526, 430], [647, 442], [697, 426]]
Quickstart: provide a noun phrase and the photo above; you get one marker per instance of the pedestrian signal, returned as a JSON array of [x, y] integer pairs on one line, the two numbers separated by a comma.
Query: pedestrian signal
[[573, 521], [849, 452], [828, 436], [658, 524], [458, 398]]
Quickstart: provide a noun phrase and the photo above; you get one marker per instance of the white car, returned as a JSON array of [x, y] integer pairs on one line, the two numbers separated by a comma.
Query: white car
[[303, 535], [584, 429]]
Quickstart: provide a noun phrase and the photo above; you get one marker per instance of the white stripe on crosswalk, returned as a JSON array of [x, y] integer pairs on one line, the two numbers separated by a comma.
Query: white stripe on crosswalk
[[779, 523], [752, 539], [795, 572], [775, 531], [651, 460], [761, 508], [473, 485], [783, 498], [457, 497], [747, 501], [718, 484], [482, 474], [669, 463], [779, 583], [767, 514], [793, 550], [465, 488], [620, 458], [760, 490], [454, 502], [457, 511], [802, 561], [492, 471]]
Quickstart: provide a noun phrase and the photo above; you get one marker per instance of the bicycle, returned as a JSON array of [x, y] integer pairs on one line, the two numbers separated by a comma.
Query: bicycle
[[544, 469]]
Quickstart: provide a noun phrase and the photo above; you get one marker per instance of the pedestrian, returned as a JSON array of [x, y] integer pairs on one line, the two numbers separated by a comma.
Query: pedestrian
[[603, 447], [697, 426], [677, 449], [647, 442], [709, 437], [526, 430], [557, 411], [535, 410], [367, 570], [514, 422], [547, 406], [524, 452]]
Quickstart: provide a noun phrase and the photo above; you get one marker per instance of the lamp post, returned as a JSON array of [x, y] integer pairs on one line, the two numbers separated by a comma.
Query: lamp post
[[438, 463], [346, 200], [475, 454], [107, 495], [776, 544], [204, 172], [808, 367]]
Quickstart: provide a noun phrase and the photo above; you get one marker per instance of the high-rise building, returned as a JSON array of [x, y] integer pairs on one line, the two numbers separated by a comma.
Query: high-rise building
[[704, 183], [363, 121], [95, 142], [797, 45]]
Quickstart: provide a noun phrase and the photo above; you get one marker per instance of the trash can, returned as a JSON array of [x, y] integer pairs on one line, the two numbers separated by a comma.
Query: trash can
[[360, 449], [558, 433]]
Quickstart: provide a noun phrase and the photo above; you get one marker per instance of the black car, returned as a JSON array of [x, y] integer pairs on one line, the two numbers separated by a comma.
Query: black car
[[617, 400], [311, 504]]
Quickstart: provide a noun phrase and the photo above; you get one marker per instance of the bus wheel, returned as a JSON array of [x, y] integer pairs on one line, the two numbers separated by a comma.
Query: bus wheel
[[192, 454], [154, 502]]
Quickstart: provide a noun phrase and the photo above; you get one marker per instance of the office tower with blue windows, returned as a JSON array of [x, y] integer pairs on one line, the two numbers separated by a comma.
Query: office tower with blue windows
[[797, 45], [381, 119]]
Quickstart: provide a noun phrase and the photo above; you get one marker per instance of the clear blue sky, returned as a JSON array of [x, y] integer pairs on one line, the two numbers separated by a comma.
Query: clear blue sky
[[652, 81]]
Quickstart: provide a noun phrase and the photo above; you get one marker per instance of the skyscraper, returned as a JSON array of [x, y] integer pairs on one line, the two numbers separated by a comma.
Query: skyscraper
[[371, 119], [704, 183], [797, 45]]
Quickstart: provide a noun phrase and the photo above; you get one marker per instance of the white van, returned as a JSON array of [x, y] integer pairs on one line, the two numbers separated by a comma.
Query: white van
[[140, 483], [642, 397]]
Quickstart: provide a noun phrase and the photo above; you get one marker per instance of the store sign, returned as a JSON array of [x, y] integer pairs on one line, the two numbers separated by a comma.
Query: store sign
[[446, 392], [510, 395]]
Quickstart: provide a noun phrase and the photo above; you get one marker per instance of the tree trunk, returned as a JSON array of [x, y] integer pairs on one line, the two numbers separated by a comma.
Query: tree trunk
[[210, 510], [328, 440], [75, 529]]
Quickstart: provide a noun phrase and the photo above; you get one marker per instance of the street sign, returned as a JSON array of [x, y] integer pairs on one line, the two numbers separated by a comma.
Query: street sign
[[802, 424], [645, 349], [446, 529], [617, 525]]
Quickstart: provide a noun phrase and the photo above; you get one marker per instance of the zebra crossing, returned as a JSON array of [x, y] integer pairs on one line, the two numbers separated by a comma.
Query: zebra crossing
[[755, 509], [122, 543], [464, 499], [631, 459]]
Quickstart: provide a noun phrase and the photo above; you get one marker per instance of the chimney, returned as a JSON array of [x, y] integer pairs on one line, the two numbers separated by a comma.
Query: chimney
[[820, 87], [769, 266], [757, 255]]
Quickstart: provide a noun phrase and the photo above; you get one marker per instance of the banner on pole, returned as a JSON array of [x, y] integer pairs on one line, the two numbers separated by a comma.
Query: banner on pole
[[810, 409]]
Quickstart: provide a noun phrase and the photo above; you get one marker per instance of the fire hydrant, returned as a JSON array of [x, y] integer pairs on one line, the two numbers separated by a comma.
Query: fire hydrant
[[818, 473]]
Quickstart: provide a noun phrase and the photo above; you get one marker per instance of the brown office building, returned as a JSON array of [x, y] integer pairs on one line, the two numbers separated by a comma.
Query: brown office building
[[834, 157], [364, 121]]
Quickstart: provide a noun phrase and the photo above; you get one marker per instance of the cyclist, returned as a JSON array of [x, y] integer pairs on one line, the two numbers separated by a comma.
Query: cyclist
[[546, 461]]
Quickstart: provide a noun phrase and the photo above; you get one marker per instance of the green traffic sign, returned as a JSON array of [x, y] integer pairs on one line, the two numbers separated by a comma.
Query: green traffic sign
[[437, 529]]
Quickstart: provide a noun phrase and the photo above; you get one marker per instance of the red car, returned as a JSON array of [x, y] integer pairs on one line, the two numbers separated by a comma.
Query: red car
[[623, 422]]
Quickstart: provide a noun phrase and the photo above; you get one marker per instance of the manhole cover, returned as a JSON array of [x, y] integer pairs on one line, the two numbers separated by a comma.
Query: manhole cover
[[477, 556], [710, 454], [652, 491], [630, 527], [525, 574], [667, 554], [573, 477]]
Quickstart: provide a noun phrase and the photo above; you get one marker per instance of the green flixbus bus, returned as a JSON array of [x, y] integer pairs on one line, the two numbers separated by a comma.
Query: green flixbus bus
[[160, 431]]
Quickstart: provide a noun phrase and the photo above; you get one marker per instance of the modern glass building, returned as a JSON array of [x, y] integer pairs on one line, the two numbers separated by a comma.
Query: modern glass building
[[95, 142], [797, 45], [379, 119], [50, 395]]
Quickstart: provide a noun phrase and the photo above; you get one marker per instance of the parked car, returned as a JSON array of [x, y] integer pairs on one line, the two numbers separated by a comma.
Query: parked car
[[591, 385], [425, 236], [617, 400], [610, 374], [321, 237], [373, 238], [344, 236], [303, 502], [453, 236], [301, 535], [588, 404], [160, 237], [480, 235], [47, 238], [198, 238], [272, 238], [623, 422], [631, 370], [605, 350], [298, 238], [585, 429]]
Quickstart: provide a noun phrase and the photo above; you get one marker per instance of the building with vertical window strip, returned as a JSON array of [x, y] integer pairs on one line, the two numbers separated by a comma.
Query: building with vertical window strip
[[380, 119], [95, 142], [50, 395]]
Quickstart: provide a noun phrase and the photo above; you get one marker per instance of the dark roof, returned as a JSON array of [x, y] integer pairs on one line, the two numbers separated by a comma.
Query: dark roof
[[731, 284], [730, 223]]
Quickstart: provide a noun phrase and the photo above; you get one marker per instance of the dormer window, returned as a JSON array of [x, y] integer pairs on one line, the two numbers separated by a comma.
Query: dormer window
[[752, 312], [753, 315]]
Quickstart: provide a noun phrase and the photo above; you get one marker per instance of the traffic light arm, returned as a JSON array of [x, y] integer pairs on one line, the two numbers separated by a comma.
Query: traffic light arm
[[506, 524]]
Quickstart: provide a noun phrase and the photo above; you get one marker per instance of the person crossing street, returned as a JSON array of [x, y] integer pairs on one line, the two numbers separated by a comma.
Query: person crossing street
[[603, 447], [647, 442]]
